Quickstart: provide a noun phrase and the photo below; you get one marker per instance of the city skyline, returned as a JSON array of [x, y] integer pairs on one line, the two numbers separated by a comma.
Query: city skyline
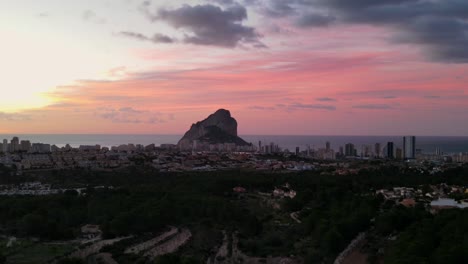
[[408, 151], [408, 147], [283, 68], [17, 144]]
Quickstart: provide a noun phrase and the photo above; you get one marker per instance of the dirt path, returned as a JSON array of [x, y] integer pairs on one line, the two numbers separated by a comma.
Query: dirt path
[[151, 243], [223, 250], [171, 245], [295, 217]]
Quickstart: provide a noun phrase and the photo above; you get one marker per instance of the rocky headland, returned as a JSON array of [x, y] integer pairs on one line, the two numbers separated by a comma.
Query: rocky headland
[[218, 128]]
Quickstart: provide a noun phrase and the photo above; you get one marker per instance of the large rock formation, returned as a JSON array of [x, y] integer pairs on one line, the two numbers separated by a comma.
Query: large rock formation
[[219, 127]]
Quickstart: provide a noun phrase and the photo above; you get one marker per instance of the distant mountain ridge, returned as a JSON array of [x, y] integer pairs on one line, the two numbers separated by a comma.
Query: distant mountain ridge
[[217, 128]]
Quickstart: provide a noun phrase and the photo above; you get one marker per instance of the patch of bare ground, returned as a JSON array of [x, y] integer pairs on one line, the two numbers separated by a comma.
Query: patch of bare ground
[[355, 257], [353, 253], [95, 247], [105, 258]]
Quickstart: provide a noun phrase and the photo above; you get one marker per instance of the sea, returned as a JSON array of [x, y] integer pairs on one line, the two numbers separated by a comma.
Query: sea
[[427, 144]]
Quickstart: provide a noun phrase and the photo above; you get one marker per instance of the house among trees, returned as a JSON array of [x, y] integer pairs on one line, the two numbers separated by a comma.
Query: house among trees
[[90, 231]]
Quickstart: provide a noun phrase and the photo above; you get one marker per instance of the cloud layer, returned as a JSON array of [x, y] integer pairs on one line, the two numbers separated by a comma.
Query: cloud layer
[[14, 117], [132, 116], [439, 26], [208, 24]]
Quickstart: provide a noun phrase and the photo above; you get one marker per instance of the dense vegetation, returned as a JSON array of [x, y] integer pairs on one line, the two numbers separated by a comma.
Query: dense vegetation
[[420, 237], [333, 210]]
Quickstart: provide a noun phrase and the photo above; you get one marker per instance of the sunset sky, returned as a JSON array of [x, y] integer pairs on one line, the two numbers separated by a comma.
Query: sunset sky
[[305, 67]]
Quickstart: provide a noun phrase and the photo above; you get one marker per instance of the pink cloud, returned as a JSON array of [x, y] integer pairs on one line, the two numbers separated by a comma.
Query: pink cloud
[[268, 92]]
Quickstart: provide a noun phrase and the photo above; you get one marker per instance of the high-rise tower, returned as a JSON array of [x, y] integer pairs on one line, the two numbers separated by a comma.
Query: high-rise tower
[[409, 147], [390, 150]]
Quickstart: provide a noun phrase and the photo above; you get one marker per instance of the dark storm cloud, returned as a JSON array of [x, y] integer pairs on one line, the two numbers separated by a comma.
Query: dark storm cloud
[[357, 4], [225, 2], [439, 26], [279, 8], [445, 38], [157, 38], [160, 38], [393, 12], [209, 24], [250, 2], [314, 20]]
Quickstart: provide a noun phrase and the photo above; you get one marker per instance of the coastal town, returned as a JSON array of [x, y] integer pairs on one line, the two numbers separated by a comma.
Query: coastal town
[[214, 144], [168, 157]]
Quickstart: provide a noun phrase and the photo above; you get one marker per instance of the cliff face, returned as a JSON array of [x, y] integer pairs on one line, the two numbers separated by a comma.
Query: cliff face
[[219, 127]]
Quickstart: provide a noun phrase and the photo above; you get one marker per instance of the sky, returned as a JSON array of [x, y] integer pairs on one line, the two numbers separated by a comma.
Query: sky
[[297, 67]]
